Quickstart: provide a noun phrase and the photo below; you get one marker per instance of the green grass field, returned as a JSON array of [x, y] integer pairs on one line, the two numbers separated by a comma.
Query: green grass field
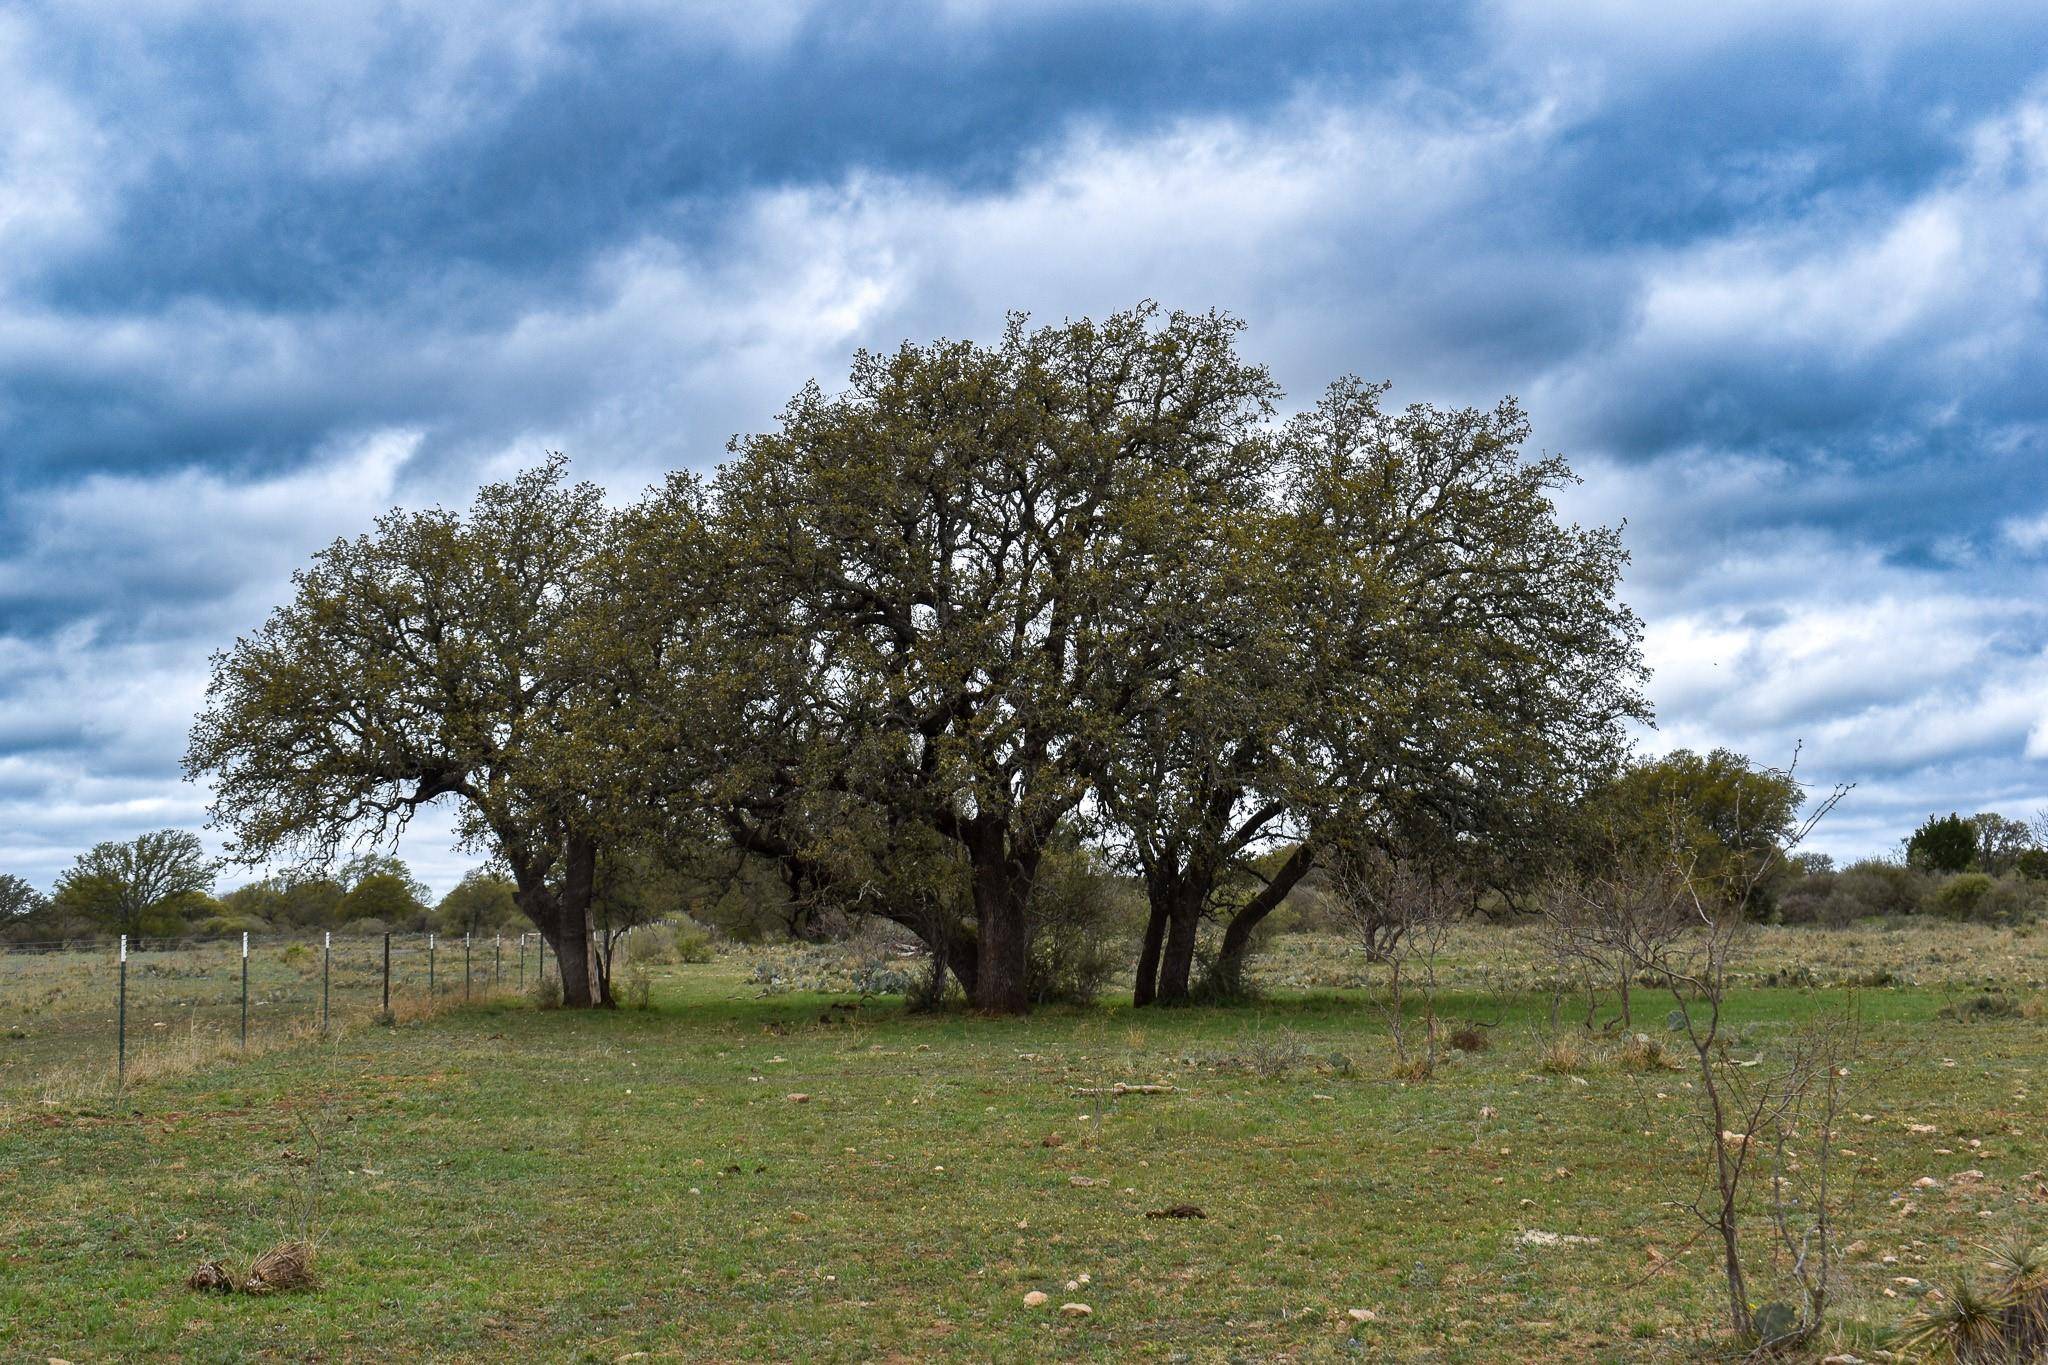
[[502, 1180]]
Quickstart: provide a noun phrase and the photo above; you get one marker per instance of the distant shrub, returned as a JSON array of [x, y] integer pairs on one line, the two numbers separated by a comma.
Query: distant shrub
[[668, 942], [1873, 888], [637, 991], [366, 928], [1266, 1055], [1961, 896], [2014, 900], [226, 926]]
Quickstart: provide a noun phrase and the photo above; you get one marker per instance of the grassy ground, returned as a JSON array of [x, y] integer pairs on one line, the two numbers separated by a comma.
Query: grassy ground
[[502, 1180]]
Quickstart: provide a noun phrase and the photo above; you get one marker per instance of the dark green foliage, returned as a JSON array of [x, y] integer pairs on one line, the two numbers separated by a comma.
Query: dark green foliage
[[1946, 843], [482, 902]]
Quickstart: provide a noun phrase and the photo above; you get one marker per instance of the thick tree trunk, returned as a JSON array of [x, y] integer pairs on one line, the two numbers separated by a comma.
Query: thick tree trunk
[[1184, 925], [1237, 936], [582, 984], [1146, 986], [962, 954], [563, 918], [1002, 894]]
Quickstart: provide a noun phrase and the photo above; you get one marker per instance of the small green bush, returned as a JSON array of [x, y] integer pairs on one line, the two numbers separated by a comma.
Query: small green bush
[[1874, 887], [668, 943], [1961, 896]]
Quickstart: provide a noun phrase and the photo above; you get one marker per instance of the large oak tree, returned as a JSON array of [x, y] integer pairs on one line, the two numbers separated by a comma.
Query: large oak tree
[[1420, 652], [966, 559], [442, 656]]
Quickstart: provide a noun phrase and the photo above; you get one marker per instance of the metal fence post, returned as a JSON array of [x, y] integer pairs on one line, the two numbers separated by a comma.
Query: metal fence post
[[326, 958], [465, 966], [245, 990], [498, 962], [387, 976], [522, 963], [121, 1028], [430, 966]]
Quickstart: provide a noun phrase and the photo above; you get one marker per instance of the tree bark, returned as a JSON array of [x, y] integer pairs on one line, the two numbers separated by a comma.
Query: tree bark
[[1184, 924], [563, 918], [962, 954], [1002, 893], [1237, 936], [1146, 986]]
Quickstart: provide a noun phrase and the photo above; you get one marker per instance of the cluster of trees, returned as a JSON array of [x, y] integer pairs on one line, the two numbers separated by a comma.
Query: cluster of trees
[[933, 634], [1987, 868], [162, 885], [1987, 842]]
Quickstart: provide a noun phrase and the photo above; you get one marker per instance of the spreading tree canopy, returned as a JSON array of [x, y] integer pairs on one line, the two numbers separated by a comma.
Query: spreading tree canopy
[[441, 656], [968, 556], [933, 626], [129, 887]]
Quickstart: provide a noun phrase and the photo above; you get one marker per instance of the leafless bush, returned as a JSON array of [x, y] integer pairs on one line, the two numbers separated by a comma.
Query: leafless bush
[[1400, 910], [1670, 924], [1604, 925]]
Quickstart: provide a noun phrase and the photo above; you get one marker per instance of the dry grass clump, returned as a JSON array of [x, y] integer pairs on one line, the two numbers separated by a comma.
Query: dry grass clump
[[211, 1277], [1562, 1055], [1419, 1066], [1644, 1053], [283, 1268], [180, 1054], [286, 1266], [1469, 1038]]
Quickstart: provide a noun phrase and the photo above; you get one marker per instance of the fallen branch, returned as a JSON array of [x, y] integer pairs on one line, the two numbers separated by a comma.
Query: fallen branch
[[1121, 1089]]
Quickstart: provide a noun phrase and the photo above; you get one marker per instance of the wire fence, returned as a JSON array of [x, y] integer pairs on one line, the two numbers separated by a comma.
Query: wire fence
[[107, 1009]]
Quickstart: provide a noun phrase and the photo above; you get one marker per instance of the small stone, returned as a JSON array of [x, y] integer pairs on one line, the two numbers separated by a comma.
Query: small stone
[[1073, 1286], [1081, 1180], [1927, 1182], [799, 1099], [1487, 1111], [1361, 1315], [1036, 1298], [1076, 1310]]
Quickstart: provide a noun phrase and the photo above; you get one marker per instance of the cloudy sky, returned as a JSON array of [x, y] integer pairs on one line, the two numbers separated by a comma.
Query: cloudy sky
[[1771, 274]]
